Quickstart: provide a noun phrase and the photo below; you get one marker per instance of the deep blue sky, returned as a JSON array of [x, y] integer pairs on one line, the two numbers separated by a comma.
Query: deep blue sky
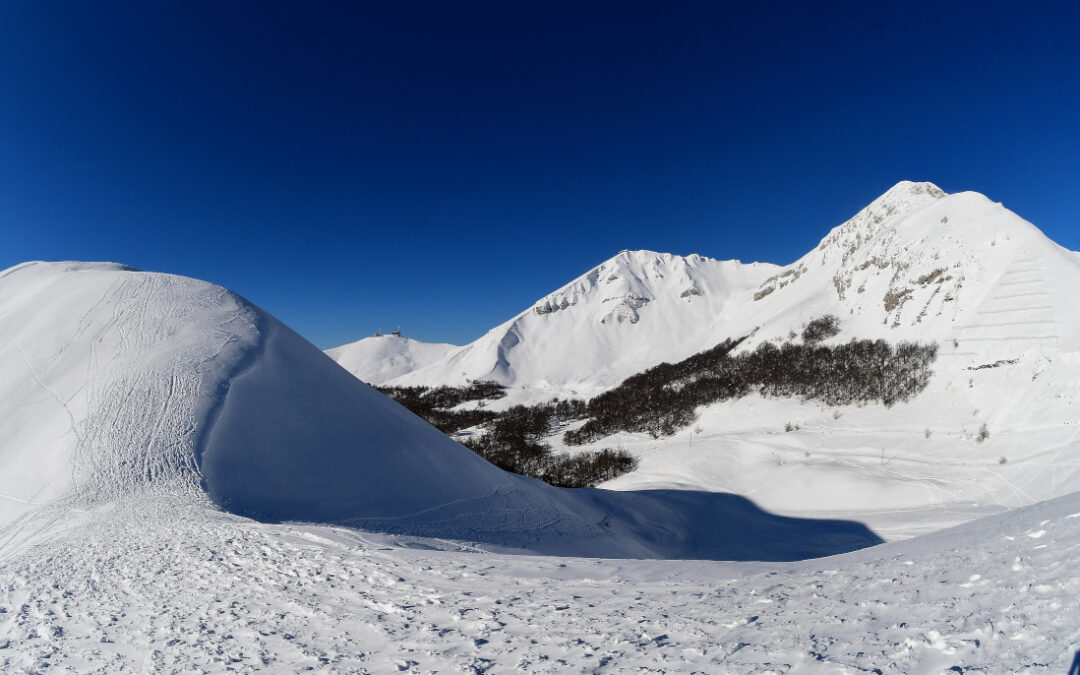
[[357, 166]]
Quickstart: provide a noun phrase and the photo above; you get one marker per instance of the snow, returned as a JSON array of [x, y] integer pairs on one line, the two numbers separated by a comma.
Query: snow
[[960, 271], [157, 584], [381, 358], [151, 381], [188, 485]]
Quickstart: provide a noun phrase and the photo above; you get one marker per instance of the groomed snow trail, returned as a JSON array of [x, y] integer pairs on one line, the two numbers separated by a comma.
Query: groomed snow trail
[[194, 590]]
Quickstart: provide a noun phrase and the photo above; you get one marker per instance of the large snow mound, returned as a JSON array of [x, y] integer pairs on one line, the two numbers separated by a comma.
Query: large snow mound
[[114, 379], [107, 376], [117, 383]]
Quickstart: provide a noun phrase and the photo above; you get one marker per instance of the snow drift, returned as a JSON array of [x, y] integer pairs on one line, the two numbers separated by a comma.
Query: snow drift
[[115, 382]]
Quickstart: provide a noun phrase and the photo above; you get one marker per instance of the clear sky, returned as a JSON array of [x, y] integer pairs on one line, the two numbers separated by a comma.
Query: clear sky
[[439, 166]]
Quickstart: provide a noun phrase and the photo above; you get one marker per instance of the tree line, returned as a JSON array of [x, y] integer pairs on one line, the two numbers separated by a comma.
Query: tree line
[[663, 399], [513, 439]]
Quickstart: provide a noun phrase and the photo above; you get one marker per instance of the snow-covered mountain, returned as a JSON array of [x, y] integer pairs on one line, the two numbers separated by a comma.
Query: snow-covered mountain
[[998, 425], [381, 358], [627, 314], [916, 263]]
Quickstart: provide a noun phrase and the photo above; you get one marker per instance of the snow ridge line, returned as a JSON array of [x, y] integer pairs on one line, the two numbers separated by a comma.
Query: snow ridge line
[[245, 364], [16, 268]]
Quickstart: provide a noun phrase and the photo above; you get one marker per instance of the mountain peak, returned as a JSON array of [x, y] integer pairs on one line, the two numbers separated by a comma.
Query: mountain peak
[[897, 202], [901, 199], [913, 188]]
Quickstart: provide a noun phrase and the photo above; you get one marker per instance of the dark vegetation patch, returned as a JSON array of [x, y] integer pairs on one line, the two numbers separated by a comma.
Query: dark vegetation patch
[[434, 403], [821, 329], [995, 364], [513, 439], [664, 399], [514, 442]]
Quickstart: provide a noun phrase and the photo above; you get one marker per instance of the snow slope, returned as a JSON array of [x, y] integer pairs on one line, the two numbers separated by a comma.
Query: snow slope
[[118, 382], [916, 263], [381, 358], [625, 315], [999, 425], [143, 588]]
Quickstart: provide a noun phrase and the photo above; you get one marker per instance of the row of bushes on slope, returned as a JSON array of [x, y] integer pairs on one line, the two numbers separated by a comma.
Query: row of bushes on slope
[[514, 442], [434, 403], [512, 439], [662, 400]]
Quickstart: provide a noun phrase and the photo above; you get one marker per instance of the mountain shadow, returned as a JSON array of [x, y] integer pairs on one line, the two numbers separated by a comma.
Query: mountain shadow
[[719, 526]]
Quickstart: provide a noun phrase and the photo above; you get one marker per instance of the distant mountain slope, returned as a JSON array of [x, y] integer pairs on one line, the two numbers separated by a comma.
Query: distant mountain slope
[[919, 264], [381, 358], [624, 315]]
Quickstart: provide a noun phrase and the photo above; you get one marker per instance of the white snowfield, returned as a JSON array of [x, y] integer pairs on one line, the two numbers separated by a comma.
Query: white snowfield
[[157, 584], [998, 426]]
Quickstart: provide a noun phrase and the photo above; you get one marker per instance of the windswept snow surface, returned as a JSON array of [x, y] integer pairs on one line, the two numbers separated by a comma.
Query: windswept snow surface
[[120, 381], [381, 358], [156, 584]]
